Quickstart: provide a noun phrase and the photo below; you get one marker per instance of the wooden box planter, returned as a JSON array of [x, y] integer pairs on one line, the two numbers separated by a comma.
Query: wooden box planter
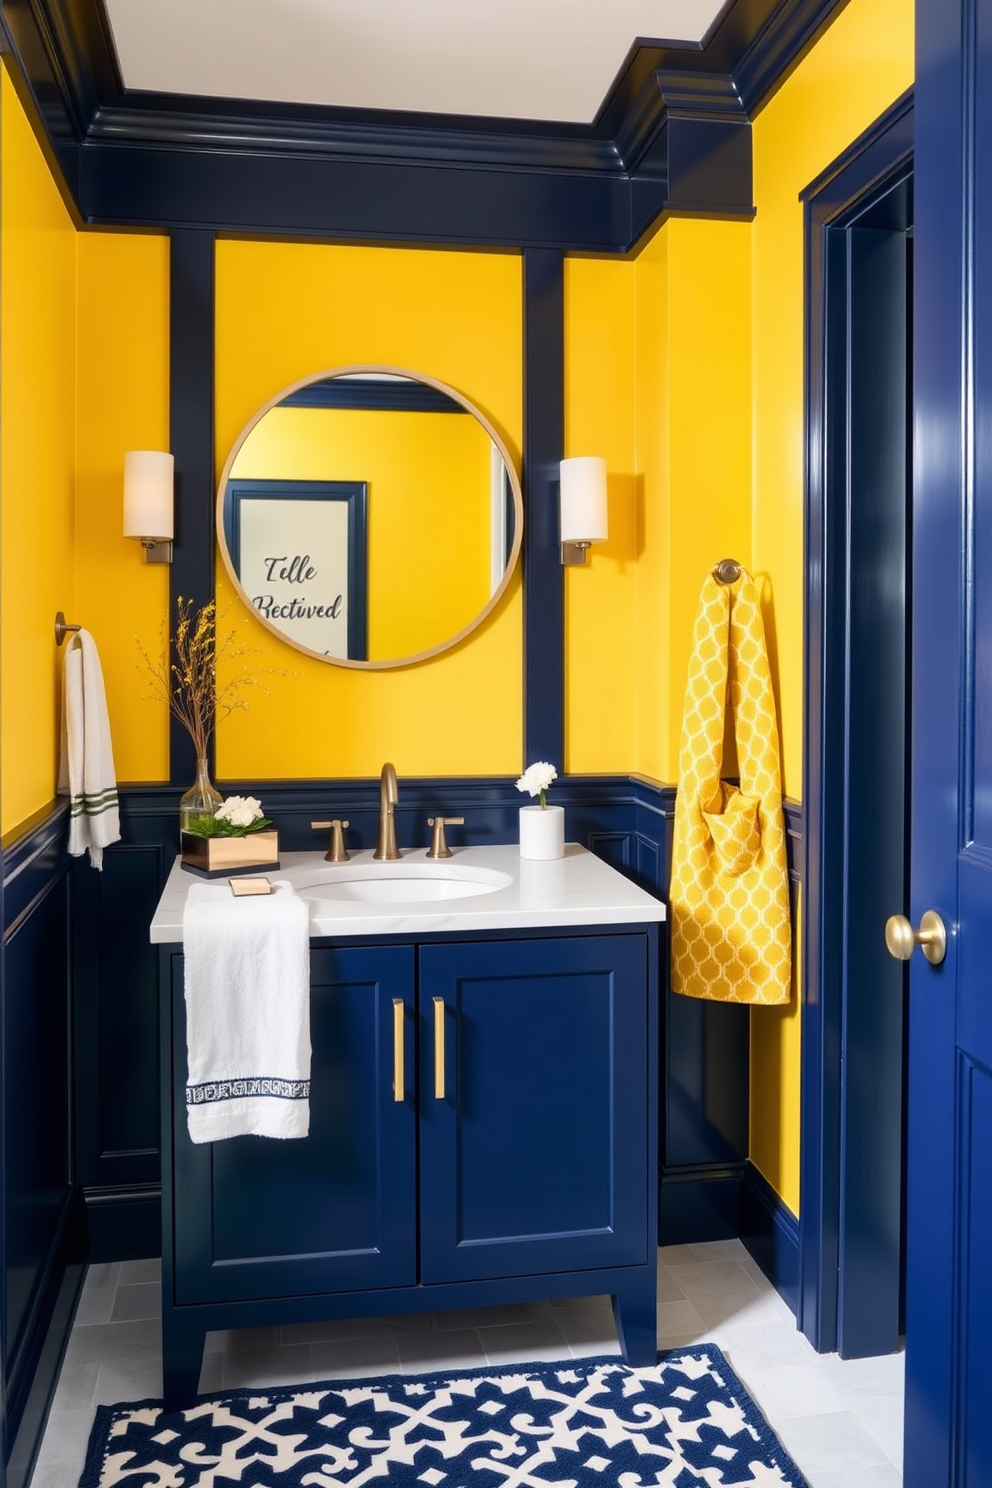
[[221, 857]]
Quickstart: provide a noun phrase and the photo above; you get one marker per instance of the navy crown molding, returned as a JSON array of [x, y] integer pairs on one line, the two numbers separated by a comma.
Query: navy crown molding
[[860, 176], [43, 1240], [672, 135]]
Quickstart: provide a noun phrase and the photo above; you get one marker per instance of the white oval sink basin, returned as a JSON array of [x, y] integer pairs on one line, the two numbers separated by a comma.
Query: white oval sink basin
[[401, 883]]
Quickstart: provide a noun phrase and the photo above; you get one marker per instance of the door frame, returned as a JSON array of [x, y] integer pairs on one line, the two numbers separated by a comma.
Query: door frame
[[877, 162]]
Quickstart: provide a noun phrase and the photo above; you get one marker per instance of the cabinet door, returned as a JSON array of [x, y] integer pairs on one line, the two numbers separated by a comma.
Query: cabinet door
[[534, 1158], [335, 1211]]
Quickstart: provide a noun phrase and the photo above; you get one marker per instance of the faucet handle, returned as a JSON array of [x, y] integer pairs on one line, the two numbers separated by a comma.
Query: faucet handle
[[336, 851], [439, 848]]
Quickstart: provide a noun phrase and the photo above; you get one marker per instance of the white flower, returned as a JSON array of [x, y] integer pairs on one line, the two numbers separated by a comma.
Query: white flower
[[240, 811], [536, 779]]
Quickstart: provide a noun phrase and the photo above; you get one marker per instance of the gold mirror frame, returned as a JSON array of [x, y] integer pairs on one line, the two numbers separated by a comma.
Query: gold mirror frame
[[512, 476]]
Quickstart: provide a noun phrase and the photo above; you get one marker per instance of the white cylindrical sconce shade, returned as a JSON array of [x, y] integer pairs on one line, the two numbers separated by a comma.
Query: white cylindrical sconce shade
[[583, 500], [148, 488]]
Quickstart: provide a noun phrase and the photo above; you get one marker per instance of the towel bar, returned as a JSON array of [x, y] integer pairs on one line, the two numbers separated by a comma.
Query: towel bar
[[727, 571], [63, 628]]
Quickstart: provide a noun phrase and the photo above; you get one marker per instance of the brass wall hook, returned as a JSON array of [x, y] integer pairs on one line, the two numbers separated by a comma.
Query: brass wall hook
[[63, 628], [727, 571]]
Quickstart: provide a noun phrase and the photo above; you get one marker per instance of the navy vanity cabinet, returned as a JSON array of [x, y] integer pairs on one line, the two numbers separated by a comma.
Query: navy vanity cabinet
[[333, 1212], [519, 1165]]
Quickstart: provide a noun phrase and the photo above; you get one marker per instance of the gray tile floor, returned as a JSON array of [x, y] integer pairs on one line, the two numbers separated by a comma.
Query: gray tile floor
[[841, 1420]]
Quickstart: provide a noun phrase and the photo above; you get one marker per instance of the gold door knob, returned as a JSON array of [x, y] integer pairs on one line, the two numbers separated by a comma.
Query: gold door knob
[[902, 940]]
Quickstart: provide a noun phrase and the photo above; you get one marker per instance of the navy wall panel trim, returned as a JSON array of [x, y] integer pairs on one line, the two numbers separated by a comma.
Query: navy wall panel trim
[[770, 1231], [32, 863], [373, 201], [191, 436], [866, 168], [544, 446]]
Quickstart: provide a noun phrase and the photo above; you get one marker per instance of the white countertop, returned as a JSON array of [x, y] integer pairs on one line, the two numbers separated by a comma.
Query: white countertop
[[578, 889]]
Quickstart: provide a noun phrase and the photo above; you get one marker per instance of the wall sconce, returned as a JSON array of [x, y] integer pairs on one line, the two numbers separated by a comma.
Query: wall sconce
[[148, 487], [582, 505]]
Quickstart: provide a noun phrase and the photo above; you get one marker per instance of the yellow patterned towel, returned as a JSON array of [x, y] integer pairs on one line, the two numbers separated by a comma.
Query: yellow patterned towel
[[731, 933]]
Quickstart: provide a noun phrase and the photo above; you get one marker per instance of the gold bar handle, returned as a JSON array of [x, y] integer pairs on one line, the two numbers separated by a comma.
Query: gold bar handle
[[439, 1048], [399, 1092]]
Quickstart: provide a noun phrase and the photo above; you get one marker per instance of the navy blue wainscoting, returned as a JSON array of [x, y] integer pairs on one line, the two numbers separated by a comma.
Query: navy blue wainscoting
[[115, 1035], [625, 820], [43, 1249]]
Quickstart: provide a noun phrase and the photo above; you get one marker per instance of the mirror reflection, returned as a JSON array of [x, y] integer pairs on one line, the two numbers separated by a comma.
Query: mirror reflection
[[370, 517]]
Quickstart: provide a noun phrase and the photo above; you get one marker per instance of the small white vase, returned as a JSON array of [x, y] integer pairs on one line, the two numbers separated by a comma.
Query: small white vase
[[542, 832]]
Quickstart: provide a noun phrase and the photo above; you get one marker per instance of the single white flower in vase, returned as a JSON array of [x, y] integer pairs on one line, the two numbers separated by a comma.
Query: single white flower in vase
[[542, 827]]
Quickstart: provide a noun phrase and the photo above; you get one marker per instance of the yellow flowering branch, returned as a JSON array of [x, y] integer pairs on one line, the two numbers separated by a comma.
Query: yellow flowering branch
[[187, 682]]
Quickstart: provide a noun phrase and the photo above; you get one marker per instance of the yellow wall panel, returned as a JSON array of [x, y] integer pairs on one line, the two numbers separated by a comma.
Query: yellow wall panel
[[652, 360], [123, 404], [694, 453], [288, 311], [600, 596], [37, 431]]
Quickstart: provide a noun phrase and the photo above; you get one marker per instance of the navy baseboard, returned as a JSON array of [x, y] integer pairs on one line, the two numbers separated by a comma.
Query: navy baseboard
[[124, 1224], [771, 1233], [699, 1202], [30, 1403]]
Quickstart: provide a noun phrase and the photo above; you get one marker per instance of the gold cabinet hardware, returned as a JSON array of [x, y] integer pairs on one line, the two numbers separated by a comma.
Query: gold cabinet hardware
[[399, 1092], [336, 851], [901, 939], [439, 847], [439, 1048]]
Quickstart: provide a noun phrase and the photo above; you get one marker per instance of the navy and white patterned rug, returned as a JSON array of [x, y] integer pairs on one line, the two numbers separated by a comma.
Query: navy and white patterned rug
[[686, 1422]]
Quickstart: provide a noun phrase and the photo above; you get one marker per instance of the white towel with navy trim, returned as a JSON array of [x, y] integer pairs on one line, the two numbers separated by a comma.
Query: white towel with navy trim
[[86, 760], [247, 970]]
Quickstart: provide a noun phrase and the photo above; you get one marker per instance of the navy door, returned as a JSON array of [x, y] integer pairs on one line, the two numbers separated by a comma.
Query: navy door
[[534, 1085], [337, 1210], [949, 1245]]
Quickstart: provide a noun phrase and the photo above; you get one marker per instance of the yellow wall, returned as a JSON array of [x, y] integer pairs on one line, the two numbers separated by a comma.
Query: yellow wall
[[693, 454], [287, 311], [428, 478], [37, 427], [860, 66], [123, 404], [600, 615]]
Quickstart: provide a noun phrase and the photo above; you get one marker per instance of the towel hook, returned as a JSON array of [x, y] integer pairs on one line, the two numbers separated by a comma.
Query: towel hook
[[63, 628], [727, 571]]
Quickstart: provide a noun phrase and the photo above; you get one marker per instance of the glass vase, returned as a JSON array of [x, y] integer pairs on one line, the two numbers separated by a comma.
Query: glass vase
[[202, 798]]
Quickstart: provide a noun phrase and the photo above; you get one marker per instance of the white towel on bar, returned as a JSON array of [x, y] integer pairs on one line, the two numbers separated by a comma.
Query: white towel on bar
[[86, 761], [247, 969]]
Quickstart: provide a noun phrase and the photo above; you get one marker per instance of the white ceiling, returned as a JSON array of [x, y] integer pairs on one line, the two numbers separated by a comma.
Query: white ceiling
[[523, 59]]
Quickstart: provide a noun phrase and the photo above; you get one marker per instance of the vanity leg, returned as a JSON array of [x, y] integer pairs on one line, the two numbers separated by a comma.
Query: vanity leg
[[635, 1312], [182, 1354]]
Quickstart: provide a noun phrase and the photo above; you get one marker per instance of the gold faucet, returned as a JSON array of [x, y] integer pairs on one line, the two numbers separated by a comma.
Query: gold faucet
[[389, 793]]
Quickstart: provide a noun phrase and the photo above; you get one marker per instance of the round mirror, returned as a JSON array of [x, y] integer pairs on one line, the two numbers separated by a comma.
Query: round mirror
[[370, 517]]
